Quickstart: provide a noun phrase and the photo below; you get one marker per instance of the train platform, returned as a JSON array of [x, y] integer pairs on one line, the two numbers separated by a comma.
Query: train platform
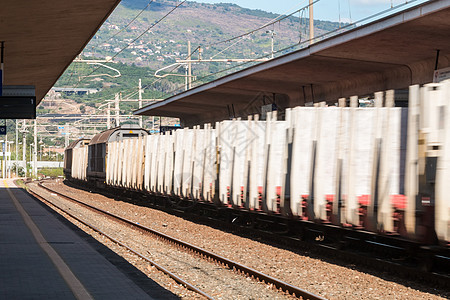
[[43, 256]]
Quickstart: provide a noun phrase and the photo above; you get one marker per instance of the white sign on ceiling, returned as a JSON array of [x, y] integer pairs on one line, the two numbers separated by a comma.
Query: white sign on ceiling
[[441, 75]]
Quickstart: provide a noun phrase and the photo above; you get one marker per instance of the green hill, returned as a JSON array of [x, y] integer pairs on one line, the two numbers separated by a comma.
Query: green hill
[[204, 25]]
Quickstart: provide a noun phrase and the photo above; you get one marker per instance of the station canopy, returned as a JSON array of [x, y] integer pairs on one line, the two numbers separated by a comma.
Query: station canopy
[[42, 38], [391, 53]]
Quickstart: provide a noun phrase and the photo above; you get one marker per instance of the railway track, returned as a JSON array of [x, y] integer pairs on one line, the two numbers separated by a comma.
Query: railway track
[[361, 248], [404, 258], [179, 244]]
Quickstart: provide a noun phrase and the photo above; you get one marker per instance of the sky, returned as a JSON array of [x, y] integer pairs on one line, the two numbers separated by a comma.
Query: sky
[[332, 10]]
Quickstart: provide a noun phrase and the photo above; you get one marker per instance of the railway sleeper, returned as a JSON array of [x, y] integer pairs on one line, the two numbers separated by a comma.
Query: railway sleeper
[[281, 231]]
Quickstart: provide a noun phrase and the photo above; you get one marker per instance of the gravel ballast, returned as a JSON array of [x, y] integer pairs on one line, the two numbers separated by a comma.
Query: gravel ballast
[[330, 280]]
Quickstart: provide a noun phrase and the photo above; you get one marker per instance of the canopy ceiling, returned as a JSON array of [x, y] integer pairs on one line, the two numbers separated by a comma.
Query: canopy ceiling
[[43, 37], [390, 53]]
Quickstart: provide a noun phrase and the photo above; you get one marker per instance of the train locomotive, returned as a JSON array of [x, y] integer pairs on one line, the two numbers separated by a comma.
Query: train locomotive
[[382, 169]]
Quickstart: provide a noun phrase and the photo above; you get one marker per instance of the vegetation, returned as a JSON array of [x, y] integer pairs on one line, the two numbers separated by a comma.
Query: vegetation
[[203, 24], [51, 172], [21, 184], [138, 47], [20, 170]]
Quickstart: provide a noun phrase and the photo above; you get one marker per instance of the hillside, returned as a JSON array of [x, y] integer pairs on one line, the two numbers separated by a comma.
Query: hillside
[[63, 118], [201, 24]]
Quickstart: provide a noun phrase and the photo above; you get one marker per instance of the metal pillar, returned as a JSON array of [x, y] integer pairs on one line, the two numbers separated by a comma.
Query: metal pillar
[[24, 147], [140, 102], [2, 164], [189, 66], [9, 163], [35, 150], [108, 119], [186, 77], [17, 148], [311, 22], [116, 103], [66, 142], [5, 155]]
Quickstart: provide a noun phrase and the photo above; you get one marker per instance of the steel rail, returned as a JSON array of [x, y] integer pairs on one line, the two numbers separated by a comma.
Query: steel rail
[[418, 273], [242, 269], [153, 263]]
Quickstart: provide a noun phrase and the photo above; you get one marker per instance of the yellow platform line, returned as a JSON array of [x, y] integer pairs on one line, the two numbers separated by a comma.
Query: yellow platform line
[[72, 281]]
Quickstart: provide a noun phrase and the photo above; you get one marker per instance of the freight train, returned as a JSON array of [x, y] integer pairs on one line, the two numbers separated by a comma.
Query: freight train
[[381, 169]]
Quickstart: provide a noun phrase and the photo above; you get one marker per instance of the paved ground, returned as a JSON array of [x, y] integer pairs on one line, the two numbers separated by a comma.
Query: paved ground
[[42, 256]]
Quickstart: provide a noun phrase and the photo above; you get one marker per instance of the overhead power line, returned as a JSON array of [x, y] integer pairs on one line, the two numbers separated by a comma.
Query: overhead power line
[[276, 20], [137, 38], [271, 22], [129, 23], [134, 91], [121, 30], [305, 42], [239, 37]]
